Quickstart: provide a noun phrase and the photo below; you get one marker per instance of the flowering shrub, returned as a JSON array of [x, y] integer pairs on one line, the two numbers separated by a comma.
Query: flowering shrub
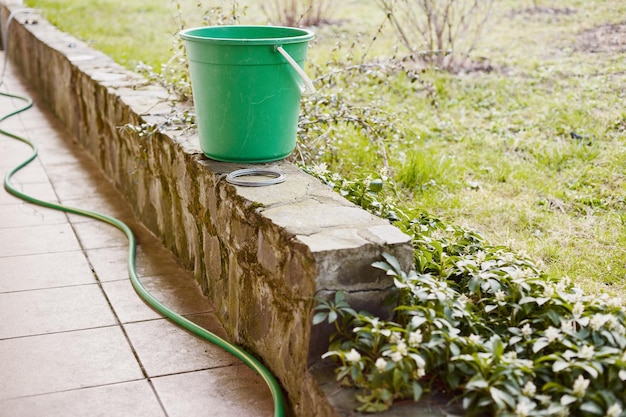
[[481, 320]]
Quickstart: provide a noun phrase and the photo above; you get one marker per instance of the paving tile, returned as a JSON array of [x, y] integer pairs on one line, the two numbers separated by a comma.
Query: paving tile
[[54, 154], [15, 124], [96, 234], [81, 169], [164, 348], [33, 172], [136, 399], [29, 272], [178, 292], [40, 190], [109, 204], [51, 310], [37, 239], [25, 214], [111, 263], [230, 391], [12, 152], [64, 361], [76, 189], [127, 304]]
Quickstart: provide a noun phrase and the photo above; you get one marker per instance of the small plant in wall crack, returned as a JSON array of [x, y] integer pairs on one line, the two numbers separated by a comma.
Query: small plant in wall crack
[[177, 119]]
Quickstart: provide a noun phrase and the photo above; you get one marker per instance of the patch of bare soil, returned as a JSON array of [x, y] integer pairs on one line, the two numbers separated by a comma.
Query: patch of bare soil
[[609, 38], [452, 63], [543, 11]]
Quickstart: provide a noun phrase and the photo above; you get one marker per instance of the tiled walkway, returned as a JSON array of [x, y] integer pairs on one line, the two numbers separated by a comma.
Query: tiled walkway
[[75, 340]]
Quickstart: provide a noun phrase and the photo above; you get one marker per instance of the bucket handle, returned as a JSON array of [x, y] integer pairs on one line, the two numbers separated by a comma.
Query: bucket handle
[[308, 84]]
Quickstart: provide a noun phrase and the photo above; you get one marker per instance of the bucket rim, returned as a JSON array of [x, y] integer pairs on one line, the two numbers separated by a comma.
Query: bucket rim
[[300, 35]]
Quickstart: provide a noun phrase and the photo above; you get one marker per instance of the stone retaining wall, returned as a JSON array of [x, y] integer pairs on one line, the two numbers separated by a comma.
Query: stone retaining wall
[[260, 254]]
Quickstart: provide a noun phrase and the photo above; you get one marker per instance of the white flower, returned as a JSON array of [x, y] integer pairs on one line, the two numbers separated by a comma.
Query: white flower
[[385, 332], [476, 339], [524, 408], [517, 274], [402, 348], [567, 326], [461, 264], [396, 356], [614, 410], [500, 296], [586, 352], [353, 356], [563, 284], [381, 364], [580, 386], [529, 389], [624, 357], [395, 337], [615, 302], [552, 334], [336, 177], [415, 338], [612, 322], [527, 331], [598, 321], [578, 309], [548, 292], [577, 294], [563, 412], [320, 169], [526, 363], [480, 256], [508, 257], [463, 299], [487, 265]]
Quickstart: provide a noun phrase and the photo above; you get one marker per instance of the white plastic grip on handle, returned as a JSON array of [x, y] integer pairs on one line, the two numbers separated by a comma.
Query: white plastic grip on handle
[[308, 84]]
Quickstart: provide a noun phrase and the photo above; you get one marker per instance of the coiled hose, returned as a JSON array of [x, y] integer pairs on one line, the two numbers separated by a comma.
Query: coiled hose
[[248, 359]]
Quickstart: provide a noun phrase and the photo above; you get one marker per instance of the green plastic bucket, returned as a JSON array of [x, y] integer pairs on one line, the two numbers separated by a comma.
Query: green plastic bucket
[[246, 83]]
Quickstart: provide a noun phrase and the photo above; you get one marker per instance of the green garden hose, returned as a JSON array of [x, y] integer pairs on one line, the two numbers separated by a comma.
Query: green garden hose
[[270, 380]]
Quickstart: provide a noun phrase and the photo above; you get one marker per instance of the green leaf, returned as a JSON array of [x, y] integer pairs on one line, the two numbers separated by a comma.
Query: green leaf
[[542, 300], [592, 408], [376, 185], [593, 372], [540, 344], [384, 266], [554, 317], [501, 398], [391, 260], [496, 345], [397, 378], [319, 317], [526, 300], [332, 316], [417, 391], [490, 308], [559, 365], [369, 407], [477, 383], [568, 399]]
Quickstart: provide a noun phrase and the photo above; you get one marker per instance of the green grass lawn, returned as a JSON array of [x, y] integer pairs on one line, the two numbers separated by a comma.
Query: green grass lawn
[[531, 154]]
